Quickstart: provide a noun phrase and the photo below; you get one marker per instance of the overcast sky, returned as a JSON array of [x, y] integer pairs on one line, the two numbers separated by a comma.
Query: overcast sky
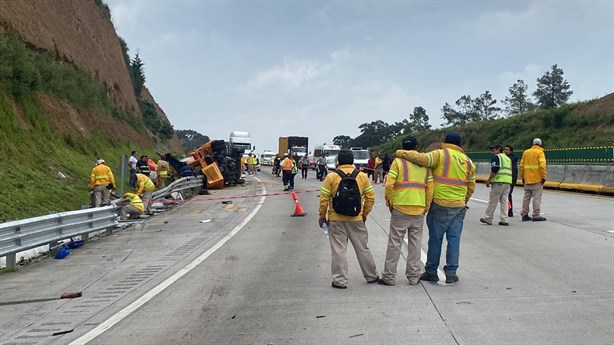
[[322, 68]]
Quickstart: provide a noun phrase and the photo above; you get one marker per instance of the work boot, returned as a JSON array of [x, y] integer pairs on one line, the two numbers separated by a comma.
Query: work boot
[[429, 277], [504, 224], [526, 218], [381, 281], [539, 219], [510, 213], [484, 221], [337, 286], [451, 278]]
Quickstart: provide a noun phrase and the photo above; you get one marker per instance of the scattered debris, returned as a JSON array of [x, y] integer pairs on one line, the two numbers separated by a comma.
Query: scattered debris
[[320, 316], [508, 288], [356, 335], [226, 202], [60, 175], [61, 332], [463, 302], [574, 291], [205, 220]]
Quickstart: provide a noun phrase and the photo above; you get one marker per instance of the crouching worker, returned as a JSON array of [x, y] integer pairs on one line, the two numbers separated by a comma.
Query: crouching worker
[[145, 188], [132, 210]]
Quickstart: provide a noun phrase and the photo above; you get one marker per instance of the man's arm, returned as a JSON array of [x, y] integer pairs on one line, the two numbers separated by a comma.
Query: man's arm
[[542, 166], [325, 196], [92, 180], [391, 179], [140, 184], [430, 160], [369, 197], [430, 187], [494, 168], [470, 184], [521, 168]]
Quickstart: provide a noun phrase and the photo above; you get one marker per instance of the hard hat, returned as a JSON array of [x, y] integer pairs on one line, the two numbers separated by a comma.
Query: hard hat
[[285, 155], [100, 161]]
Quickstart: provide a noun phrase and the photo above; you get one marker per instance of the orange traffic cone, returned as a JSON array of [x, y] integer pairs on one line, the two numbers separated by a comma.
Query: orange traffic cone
[[298, 210]]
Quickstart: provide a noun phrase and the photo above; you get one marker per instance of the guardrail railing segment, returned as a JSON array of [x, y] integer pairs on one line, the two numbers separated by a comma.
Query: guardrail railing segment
[[20, 235]]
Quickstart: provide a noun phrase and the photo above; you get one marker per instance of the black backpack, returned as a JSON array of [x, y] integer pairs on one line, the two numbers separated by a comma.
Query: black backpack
[[347, 200]]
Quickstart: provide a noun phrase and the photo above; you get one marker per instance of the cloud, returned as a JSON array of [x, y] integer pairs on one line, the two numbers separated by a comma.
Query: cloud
[[293, 73], [529, 74]]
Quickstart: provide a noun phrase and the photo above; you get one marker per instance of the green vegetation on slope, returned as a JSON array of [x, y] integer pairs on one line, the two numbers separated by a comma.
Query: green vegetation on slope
[[559, 127], [33, 152]]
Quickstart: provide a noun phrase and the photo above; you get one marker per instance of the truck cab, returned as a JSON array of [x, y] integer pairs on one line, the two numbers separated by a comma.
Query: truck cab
[[361, 157], [240, 140]]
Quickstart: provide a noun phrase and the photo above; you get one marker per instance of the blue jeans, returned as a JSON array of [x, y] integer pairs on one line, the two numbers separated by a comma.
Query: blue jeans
[[449, 221]]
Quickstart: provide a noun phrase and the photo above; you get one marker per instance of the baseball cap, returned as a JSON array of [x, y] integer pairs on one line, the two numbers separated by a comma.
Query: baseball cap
[[100, 161], [410, 143], [537, 141], [498, 147], [453, 138]]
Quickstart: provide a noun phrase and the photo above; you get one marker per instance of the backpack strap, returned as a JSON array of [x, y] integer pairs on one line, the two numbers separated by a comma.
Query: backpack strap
[[341, 173], [355, 173]]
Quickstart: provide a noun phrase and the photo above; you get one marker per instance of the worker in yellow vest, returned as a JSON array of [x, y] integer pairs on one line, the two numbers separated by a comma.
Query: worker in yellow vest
[[101, 183], [454, 177], [145, 188], [408, 194], [286, 169], [250, 164], [533, 174], [134, 209], [163, 168], [499, 182]]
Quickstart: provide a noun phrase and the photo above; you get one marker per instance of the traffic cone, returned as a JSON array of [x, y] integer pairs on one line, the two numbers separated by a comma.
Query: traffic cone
[[298, 210]]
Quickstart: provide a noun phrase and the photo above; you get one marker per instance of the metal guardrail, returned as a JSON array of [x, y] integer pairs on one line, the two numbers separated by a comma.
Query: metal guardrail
[[21, 235]]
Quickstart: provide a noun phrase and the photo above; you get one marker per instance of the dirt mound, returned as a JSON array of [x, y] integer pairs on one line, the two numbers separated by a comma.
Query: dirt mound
[[601, 106]]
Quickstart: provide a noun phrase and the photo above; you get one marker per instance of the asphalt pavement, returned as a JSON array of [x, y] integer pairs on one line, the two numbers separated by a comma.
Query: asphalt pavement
[[247, 272]]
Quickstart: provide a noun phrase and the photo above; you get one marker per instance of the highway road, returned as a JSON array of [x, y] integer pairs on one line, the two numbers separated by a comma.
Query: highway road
[[209, 272]]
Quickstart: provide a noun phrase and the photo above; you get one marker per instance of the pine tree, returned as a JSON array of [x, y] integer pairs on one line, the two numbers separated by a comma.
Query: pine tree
[[518, 101], [137, 74], [419, 120], [552, 89]]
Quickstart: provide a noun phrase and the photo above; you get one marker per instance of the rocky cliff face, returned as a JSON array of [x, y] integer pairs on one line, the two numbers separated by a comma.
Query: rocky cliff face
[[80, 32]]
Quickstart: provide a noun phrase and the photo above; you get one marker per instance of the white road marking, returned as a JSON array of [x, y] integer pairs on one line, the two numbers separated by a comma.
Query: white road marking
[[480, 200], [440, 273], [612, 231], [89, 336]]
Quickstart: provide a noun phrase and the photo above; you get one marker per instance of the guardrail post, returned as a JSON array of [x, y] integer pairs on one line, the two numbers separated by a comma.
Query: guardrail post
[[11, 261]]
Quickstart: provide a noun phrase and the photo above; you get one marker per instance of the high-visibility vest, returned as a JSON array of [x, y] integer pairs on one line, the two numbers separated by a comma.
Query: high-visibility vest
[[143, 167], [148, 183], [135, 201], [410, 186], [504, 175], [287, 164], [451, 175]]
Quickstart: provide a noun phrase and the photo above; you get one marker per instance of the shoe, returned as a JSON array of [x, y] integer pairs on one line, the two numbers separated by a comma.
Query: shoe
[[484, 221], [429, 277], [539, 219], [452, 278], [413, 280], [373, 281], [381, 281], [504, 224], [510, 214], [333, 284], [526, 218]]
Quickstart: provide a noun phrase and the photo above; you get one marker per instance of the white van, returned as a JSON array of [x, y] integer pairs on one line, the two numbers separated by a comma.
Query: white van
[[361, 158], [267, 158]]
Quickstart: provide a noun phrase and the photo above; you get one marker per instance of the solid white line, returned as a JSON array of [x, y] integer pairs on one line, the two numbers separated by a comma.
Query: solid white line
[[440, 273], [480, 200], [89, 336]]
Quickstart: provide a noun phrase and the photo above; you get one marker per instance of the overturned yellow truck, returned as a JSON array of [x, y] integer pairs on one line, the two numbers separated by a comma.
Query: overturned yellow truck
[[220, 165]]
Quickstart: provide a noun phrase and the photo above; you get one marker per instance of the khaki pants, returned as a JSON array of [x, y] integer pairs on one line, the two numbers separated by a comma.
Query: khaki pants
[[499, 192], [532, 191], [399, 224], [129, 210], [101, 195], [378, 175], [339, 233], [146, 197], [250, 169]]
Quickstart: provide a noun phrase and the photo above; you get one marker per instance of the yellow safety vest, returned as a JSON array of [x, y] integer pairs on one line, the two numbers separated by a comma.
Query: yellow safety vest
[[504, 175], [136, 201], [410, 186], [451, 175], [146, 182]]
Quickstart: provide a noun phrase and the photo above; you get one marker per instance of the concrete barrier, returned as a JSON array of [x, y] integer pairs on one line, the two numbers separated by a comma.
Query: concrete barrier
[[589, 178]]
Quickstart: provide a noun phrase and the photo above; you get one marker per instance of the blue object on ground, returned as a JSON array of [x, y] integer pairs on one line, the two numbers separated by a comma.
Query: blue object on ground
[[74, 244], [62, 252]]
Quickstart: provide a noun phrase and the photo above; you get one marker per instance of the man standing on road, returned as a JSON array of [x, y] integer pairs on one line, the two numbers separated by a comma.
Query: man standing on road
[[347, 222], [322, 167], [509, 151], [101, 183], [533, 175], [454, 175], [408, 194], [499, 182], [286, 171], [132, 163]]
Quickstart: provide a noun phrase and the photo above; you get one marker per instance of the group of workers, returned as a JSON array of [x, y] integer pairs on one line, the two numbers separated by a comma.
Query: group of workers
[[145, 176], [436, 185]]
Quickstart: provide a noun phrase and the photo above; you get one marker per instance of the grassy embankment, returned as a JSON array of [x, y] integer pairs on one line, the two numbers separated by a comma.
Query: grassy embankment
[[33, 152], [589, 123]]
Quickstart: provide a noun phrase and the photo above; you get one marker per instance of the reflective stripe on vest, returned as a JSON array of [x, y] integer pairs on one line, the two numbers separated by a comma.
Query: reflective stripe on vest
[[411, 188], [163, 173], [504, 175], [450, 176]]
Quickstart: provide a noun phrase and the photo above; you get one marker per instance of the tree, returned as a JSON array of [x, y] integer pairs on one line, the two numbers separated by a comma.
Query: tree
[[343, 140], [452, 116], [137, 74], [191, 140], [465, 113], [419, 120], [484, 107], [518, 101], [552, 89]]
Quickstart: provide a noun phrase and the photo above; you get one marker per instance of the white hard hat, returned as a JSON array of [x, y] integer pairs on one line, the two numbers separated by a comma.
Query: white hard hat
[[537, 141], [100, 161]]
